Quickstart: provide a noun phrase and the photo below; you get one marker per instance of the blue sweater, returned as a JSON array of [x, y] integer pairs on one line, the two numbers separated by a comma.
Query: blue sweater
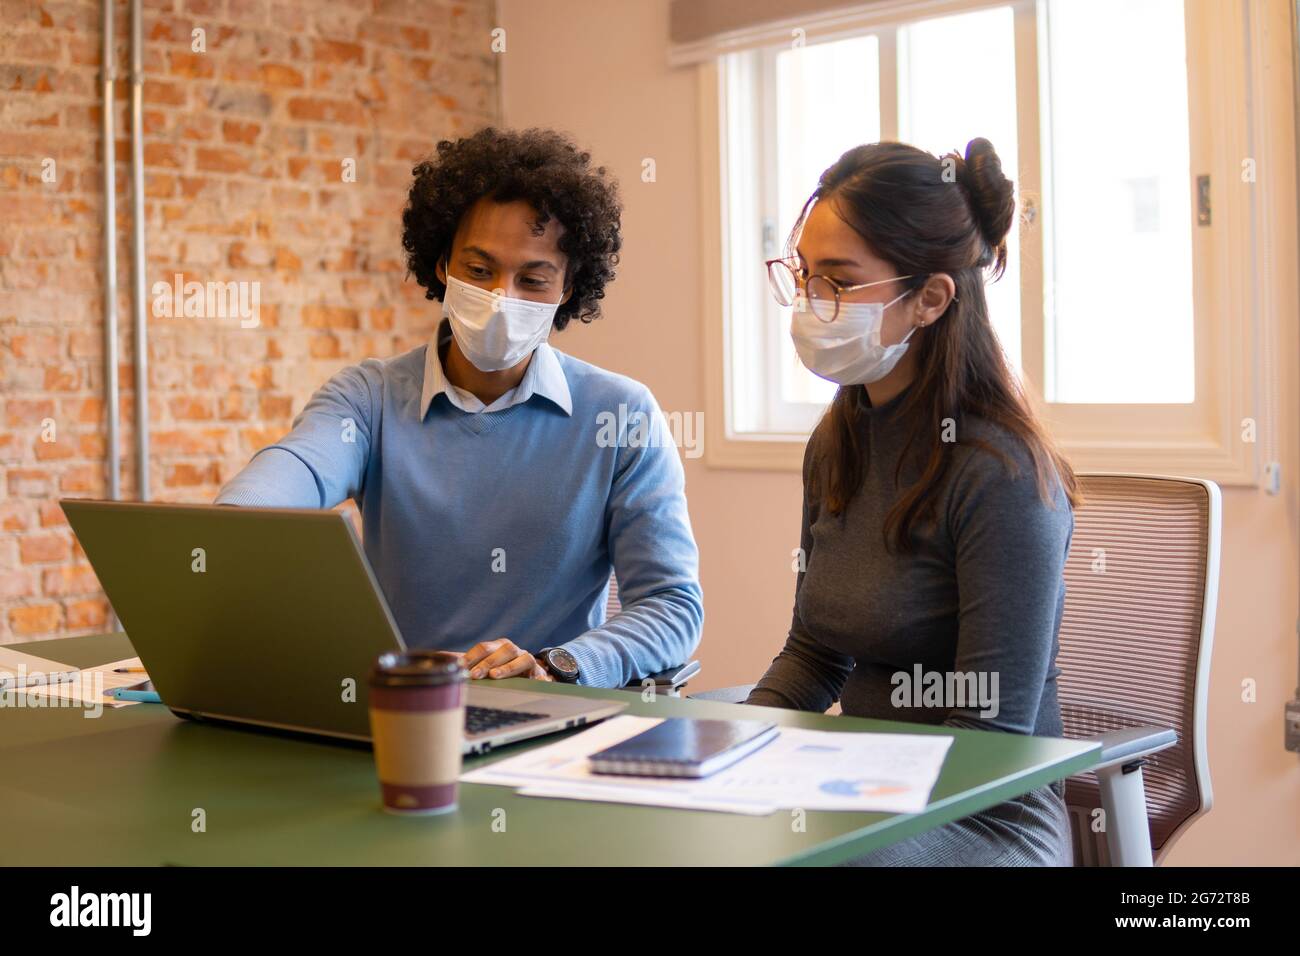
[[504, 523]]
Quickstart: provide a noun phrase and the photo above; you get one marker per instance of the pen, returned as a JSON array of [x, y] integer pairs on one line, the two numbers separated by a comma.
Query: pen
[[129, 670], [144, 696]]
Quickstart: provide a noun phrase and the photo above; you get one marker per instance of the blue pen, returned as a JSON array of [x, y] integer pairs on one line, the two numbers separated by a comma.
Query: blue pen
[[144, 696]]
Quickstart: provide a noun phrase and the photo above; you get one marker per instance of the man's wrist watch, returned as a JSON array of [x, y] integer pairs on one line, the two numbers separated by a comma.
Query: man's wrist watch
[[559, 663]]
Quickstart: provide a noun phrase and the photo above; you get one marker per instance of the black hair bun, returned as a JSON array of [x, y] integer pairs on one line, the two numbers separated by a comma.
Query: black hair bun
[[992, 195]]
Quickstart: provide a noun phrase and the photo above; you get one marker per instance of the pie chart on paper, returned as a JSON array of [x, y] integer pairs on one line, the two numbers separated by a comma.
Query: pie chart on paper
[[863, 788]]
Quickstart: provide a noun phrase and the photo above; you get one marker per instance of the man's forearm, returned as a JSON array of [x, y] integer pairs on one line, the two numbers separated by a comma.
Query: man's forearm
[[653, 634]]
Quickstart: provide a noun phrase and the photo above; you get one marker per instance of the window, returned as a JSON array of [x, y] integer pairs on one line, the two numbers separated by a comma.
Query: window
[[940, 112], [1123, 309], [1134, 201], [783, 134]]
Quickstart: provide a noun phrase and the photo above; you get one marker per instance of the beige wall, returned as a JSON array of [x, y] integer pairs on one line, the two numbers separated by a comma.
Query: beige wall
[[599, 71]]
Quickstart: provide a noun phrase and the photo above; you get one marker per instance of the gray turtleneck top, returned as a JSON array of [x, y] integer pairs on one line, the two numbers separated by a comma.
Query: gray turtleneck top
[[980, 596]]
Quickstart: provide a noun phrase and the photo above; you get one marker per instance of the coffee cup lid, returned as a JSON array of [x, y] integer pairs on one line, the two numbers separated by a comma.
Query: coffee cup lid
[[417, 668]]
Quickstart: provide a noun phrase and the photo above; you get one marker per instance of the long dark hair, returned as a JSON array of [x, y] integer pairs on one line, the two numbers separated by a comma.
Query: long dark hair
[[925, 215]]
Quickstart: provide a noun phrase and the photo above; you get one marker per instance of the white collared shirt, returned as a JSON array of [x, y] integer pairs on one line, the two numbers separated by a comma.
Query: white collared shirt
[[543, 377]]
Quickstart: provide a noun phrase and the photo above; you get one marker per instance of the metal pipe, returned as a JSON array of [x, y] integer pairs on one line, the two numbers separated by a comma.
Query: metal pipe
[[138, 257], [107, 75]]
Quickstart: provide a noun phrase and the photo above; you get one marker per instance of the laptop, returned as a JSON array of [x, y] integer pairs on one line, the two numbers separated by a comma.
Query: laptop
[[272, 618]]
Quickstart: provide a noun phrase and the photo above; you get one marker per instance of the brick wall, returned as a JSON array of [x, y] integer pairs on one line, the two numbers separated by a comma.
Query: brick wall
[[247, 149]]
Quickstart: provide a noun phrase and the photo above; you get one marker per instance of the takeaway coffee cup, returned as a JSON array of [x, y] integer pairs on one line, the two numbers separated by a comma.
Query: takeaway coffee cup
[[417, 721]]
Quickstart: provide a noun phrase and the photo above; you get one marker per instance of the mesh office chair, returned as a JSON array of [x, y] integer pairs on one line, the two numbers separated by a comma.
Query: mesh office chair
[[1141, 591]]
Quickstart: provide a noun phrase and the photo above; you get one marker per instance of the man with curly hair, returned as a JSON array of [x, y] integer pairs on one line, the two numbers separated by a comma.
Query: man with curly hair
[[499, 480]]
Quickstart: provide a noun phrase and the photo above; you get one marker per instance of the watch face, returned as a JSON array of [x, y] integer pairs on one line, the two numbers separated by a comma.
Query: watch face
[[563, 662]]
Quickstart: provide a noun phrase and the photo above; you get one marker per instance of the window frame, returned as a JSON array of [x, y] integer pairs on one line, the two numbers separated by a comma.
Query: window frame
[[1236, 111]]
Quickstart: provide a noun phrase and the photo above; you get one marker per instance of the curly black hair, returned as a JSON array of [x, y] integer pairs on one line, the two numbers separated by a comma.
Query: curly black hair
[[539, 166]]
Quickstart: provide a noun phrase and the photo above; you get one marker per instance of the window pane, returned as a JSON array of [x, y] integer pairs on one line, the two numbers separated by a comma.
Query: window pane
[[957, 81], [1119, 218], [827, 102]]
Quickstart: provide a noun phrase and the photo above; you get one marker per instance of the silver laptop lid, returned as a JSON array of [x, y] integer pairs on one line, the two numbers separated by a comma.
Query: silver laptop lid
[[266, 615]]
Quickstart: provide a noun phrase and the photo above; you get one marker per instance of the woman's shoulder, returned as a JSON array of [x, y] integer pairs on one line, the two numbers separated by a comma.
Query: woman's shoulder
[[993, 462], [985, 445]]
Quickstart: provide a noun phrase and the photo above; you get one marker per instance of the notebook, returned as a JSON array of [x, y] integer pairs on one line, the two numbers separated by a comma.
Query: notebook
[[680, 747]]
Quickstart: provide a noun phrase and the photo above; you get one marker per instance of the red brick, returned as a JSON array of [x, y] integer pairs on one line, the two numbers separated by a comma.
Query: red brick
[[15, 515], [20, 411], [324, 346], [82, 479], [321, 110], [159, 186], [84, 410], [17, 584], [12, 447], [55, 450], [192, 186], [234, 131], [235, 406], [191, 65], [161, 93], [42, 245], [29, 483], [199, 128], [188, 442], [185, 475], [220, 160], [62, 378], [171, 29], [207, 378], [188, 408], [277, 74], [92, 445], [164, 154], [275, 406], [52, 515], [329, 317], [88, 612], [43, 547], [85, 343], [33, 619], [336, 51], [69, 579]]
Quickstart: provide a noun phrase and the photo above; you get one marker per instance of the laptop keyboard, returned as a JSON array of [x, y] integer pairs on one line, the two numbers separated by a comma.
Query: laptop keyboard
[[480, 720]]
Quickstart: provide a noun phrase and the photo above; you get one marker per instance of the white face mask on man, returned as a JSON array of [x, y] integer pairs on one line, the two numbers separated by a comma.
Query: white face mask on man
[[848, 350], [495, 331]]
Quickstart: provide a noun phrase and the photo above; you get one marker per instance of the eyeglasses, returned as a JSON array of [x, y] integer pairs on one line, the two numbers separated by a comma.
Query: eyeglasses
[[821, 293]]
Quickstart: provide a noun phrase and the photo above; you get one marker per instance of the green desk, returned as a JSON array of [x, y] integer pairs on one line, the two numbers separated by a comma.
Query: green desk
[[121, 790]]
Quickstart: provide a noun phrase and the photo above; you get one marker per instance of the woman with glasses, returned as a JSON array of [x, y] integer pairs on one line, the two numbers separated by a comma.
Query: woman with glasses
[[936, 512]]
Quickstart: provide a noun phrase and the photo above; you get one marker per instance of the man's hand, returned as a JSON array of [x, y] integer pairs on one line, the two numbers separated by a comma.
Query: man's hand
[[502, 658]]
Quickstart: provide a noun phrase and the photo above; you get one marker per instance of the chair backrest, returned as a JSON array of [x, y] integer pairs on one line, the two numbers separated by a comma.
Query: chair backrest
[[1141, 590], [612, 604]]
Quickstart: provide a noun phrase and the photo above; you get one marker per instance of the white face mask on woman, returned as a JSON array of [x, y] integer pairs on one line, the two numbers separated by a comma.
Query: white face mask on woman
[[495, 331], [847, 351]]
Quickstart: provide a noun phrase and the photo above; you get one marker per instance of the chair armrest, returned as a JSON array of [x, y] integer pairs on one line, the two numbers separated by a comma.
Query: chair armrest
[[1123, 792], [736, 694], [673, 678], [1132, 743]]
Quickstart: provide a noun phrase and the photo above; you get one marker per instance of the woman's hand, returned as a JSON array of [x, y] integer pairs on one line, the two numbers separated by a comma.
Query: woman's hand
[[500, 659]]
